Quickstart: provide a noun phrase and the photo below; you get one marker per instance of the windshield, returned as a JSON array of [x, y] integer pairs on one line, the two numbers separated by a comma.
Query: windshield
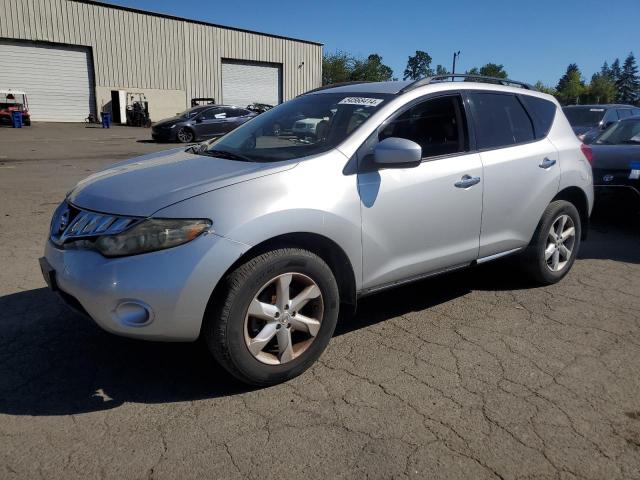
[[626, 132], [584, 116], [304, 126]]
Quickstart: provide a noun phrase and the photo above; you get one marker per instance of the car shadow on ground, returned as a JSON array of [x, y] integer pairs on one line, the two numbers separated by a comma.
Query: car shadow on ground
[[55, 362]]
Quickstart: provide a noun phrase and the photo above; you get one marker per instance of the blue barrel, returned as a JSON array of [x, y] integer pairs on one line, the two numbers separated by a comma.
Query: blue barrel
[[17, 119], [106, 120]]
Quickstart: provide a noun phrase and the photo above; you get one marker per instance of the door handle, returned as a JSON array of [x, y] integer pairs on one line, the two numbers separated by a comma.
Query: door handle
[[467, 181], [547, 163]]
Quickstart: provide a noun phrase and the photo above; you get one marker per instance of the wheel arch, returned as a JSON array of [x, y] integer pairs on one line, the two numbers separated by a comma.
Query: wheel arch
[[193, 132], [577, 197], [327, 249]]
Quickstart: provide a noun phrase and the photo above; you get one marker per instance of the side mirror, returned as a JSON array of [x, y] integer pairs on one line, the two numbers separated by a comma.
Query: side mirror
[[394, 152]]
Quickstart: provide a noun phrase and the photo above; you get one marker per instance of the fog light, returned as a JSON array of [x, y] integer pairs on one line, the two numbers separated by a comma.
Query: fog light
[[134, 313]]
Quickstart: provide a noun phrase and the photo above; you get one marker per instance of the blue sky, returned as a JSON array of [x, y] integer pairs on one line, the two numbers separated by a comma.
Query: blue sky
[[535, 40]]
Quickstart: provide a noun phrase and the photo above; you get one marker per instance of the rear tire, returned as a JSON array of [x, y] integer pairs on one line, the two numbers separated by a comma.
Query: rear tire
[[249, 326], [555, 243]]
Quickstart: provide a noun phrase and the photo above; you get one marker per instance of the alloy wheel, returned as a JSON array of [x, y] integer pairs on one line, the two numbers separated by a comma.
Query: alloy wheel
[[283, 318], [184, 135], [560, 243]]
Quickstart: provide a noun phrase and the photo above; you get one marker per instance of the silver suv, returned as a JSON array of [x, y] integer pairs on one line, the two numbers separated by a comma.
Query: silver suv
[[257, 240]]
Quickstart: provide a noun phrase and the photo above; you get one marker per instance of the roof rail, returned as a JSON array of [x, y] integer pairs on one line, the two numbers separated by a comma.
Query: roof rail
[[334, 85], [477, 78]]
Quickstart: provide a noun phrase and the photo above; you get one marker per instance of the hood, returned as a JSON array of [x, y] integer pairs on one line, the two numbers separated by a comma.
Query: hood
[[144, 185], [168, 122], [615, 156]]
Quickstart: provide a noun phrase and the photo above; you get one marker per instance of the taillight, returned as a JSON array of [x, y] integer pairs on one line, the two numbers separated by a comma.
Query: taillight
[[588, 153]]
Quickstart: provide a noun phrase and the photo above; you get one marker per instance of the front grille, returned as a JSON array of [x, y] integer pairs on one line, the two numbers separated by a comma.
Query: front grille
[[71, 223]]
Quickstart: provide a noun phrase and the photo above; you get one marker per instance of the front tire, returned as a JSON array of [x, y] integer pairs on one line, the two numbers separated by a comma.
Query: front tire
[[555, 243], [185, 135], [273, 316]]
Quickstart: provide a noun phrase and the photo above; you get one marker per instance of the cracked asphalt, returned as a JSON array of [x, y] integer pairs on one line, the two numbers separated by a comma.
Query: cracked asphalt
[[472, 375]]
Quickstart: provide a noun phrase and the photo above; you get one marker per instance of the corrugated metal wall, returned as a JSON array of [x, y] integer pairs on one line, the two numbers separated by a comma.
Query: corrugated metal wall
[[134, 50]]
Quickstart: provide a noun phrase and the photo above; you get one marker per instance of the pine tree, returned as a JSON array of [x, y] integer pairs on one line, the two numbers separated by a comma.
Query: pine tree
[[615, 70], [570, 86], [605, 71], [629, 82]]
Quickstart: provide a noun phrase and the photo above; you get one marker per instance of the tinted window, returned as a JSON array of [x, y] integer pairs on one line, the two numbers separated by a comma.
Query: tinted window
[[622, 133], [610, 116], [584, 116], [624, 113], [500, 120], [212, 113], [542, 112], [235, 112], [436, 125]]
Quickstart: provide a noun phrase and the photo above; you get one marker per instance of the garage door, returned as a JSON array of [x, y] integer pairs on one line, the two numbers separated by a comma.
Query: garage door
[[58, 79], [244, 83]]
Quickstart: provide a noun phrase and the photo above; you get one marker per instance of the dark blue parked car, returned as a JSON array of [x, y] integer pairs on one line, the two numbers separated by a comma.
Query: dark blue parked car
[[588, 121], [201, 123]]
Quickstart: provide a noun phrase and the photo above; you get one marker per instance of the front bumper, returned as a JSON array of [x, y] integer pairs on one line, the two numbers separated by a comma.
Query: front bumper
[[164, 135], [173, 285]]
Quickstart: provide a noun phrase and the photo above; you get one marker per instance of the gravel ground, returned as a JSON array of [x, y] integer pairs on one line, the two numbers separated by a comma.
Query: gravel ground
[[472, 375]]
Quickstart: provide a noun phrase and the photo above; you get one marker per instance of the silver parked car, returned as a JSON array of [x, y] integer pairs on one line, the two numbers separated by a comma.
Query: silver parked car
[[255, 241]]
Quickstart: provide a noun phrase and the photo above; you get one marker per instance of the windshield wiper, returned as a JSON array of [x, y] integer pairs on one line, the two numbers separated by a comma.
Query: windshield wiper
[[225, 154]]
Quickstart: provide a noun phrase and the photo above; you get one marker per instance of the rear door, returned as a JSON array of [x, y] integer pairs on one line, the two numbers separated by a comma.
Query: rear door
[[234, 118], [521, 170]]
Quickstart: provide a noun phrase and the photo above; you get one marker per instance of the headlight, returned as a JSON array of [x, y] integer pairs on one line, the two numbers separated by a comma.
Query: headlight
[[174, 125], [151, 235]]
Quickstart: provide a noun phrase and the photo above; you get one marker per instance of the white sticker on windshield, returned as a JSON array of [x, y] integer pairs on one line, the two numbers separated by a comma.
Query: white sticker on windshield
[[362, 101], [596, 109]]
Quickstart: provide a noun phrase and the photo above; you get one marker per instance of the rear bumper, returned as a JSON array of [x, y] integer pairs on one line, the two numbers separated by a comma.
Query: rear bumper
[[611, 191]]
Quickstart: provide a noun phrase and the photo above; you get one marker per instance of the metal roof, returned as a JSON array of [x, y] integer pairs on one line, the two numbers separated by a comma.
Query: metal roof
[[369, 87], [190, 20]]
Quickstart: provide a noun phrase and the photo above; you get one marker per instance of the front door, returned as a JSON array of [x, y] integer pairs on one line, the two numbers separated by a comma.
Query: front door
[[427, 218], [210, 123]]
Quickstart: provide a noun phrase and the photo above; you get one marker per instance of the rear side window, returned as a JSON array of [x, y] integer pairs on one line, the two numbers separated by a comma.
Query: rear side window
[[625, 113], [542, 112], [235, 112], [500, 120]]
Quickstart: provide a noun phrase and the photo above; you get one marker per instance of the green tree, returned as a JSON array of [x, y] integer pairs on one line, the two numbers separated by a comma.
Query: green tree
[[343, 67], [418, 66], [571, 86], [372, 69], [440, 70], [336, 67], [541, 87], [629, 82], [615, 71], [493, 70], [602, 89]]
